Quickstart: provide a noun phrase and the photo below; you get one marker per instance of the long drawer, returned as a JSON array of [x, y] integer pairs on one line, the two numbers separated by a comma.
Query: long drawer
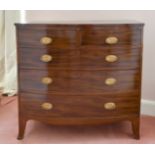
[[47, 106], [76, 81], [83, 58]]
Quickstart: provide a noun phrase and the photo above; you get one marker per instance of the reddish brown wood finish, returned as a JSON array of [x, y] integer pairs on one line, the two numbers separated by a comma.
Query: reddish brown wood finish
[[79, 105], [87, 58], [128, 35], [136, 127], [79, 82], [78, 69], [62, 38]]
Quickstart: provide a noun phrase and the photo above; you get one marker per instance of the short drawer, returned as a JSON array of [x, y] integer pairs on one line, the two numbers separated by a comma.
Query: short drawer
[[112, 35], [47, 106], [84, 58], [47, 37], [81, 82]]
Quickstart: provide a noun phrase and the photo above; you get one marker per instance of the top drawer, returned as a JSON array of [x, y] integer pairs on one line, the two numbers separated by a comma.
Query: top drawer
[[112, 35], [45, 36]]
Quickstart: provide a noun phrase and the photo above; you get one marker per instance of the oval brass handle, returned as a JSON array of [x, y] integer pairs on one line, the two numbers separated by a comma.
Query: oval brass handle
[[111, 58], [111, 40], [46, 58], [110, 81], [46, 40], [110, 106], [47, 80], [46, 106]]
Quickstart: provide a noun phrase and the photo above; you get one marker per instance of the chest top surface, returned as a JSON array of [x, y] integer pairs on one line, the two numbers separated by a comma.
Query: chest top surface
[[70, 22]]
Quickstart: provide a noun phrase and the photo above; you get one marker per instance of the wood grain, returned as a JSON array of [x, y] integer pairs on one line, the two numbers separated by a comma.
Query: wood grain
[[79, 106], [78, 70], [84, 58], [81, 82]]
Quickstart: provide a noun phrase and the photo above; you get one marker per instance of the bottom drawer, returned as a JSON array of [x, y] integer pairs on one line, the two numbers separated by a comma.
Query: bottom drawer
[[46, 106]]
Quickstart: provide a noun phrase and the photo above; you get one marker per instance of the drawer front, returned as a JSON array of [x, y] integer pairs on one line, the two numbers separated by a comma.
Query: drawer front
[[112, 35], [46, 37], [83, 59], [47, 106], [82, 82]]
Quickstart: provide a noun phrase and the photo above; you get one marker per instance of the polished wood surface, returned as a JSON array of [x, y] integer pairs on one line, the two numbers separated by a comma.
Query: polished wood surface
[[84, 58], [97, 35], [62, 38], [79, 73], [75, 81], [73, 105], [65, 36]]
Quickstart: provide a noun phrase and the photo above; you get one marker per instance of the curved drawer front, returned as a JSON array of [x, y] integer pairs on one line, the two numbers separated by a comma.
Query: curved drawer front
[[70, 81], [75, 35], [112, 35], [45, 37], [78, 106], [84, 58]]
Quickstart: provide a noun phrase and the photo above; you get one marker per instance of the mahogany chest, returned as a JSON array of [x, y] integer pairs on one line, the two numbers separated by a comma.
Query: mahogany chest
[[79, 74]]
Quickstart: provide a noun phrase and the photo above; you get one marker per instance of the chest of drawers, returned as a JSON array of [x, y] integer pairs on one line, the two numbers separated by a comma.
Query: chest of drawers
[[79, 74]]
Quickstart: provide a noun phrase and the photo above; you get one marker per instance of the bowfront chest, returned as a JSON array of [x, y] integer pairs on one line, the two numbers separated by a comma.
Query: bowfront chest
[[79, 74]]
